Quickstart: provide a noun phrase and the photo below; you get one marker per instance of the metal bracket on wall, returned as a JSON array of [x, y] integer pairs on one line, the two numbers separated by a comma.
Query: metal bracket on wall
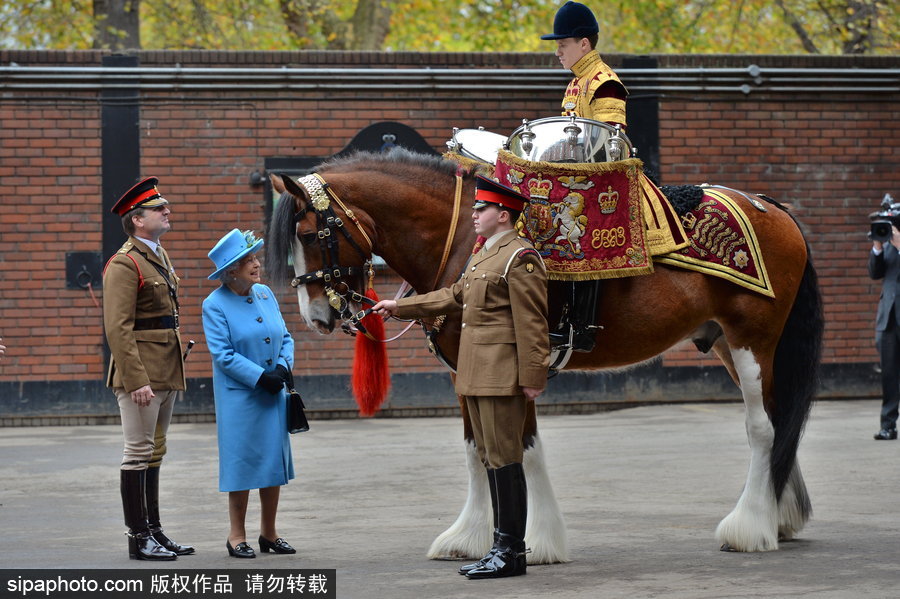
[[83, 269]]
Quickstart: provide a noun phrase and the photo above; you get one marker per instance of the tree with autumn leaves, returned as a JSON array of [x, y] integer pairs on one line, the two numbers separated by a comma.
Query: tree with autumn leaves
[[627, 26]]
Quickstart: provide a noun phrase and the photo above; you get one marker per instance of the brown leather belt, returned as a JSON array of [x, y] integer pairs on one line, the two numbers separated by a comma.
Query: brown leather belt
[[160, 322]]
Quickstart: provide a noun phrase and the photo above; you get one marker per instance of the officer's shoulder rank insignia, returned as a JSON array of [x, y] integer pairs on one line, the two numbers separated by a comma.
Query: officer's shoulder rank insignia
[[529, 267]]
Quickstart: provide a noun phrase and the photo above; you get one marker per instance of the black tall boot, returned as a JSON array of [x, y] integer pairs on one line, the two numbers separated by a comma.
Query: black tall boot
[[584, 311], [512, 503], [492, 483], [141, 544], [156, 530]]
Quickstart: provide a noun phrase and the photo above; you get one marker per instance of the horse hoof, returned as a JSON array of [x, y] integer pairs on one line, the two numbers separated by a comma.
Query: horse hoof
[[727, 547]]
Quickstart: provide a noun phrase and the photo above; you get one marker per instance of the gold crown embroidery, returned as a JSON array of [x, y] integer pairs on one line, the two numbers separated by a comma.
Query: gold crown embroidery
[[609, 200]]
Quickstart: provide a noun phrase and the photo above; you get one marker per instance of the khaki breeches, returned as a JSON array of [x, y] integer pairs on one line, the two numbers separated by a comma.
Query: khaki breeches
[[498, 424], [144, 428]]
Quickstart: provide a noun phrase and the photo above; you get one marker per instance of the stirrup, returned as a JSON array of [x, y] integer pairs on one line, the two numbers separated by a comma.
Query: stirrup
[[560, 352]]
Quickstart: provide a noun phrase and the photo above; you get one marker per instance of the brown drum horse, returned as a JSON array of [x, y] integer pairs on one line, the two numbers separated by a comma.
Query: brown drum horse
[[405, 203]]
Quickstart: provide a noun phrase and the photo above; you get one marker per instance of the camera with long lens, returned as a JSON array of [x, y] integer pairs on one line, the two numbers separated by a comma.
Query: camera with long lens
[[882, 221]]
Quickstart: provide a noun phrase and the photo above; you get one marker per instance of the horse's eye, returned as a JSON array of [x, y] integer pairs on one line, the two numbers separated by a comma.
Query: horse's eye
[[307, 238]]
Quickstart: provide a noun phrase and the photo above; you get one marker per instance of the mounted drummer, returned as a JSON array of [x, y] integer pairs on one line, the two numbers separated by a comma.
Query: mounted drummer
[[595, 92]]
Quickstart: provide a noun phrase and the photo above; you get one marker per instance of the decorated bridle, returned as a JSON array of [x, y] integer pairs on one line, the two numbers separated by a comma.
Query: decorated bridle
[[332, 275]]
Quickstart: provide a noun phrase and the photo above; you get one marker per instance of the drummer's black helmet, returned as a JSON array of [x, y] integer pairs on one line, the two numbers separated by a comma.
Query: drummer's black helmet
[[573, 20]]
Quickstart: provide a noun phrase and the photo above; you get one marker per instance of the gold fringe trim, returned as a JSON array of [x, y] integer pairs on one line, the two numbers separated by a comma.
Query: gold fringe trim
[[601, 274]]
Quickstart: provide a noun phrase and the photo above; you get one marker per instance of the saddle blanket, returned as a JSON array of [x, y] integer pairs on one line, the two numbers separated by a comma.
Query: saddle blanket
[[722, 243]]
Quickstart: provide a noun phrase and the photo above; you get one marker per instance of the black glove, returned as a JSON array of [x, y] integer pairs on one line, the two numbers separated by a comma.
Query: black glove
[[271, 382], [283, 372]]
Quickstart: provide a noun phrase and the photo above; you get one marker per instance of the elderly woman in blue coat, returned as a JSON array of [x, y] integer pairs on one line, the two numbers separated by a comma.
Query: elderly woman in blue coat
[[252, 354]]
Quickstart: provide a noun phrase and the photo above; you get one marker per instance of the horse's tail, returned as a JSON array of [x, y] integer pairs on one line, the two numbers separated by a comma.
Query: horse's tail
[[796, 374], [279, 240]]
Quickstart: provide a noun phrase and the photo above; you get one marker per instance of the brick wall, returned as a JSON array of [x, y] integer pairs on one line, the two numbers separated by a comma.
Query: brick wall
[[830, 155]]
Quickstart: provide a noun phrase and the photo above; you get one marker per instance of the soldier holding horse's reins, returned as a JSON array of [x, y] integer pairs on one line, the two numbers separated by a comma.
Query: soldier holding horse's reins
[[503, 359]]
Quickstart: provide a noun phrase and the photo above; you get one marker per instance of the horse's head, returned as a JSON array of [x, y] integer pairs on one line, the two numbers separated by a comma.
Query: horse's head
[[325, 261]]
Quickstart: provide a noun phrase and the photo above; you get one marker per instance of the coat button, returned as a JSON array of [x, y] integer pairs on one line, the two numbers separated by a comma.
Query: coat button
[[268, 340], [463, 325], [465, 306], [259, 319], [269, 362], [249, 300], [467, 285], [484, 275], [473, 268]]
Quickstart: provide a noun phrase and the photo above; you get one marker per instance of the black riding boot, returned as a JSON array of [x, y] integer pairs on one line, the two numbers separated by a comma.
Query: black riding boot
[[141, 544], [492, 483], [152, 489], [508, 557], [584, 309]]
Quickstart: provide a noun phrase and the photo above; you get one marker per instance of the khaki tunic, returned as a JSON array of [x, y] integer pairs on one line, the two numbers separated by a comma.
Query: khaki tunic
[[504, 344], [581, 97], [143, 357]]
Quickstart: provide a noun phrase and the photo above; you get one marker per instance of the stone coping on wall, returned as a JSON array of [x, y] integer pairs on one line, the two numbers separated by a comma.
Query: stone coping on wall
[[349, 59]]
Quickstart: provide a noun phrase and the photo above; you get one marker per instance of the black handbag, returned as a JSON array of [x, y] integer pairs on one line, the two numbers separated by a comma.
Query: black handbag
[[296, 420]]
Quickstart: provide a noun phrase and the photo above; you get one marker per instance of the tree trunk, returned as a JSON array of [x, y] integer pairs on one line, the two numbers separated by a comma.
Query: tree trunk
[[117, 24], [371, 24]]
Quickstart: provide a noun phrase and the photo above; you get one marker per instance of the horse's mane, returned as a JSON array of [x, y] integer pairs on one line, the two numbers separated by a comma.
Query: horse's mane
[[397, 161]]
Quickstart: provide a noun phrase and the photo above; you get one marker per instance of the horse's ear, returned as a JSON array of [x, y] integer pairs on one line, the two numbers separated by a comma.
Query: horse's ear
[[292, 188], [277, 182]]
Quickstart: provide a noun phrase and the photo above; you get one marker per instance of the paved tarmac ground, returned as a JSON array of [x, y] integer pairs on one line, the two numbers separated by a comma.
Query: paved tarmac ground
[[641, 489]]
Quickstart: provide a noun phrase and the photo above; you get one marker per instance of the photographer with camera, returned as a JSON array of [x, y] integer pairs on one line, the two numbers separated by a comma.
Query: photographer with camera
[[884, 263]]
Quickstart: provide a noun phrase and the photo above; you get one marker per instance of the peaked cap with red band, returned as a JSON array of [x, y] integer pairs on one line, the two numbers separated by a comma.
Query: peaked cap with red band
[[488, 191], [143, 195]]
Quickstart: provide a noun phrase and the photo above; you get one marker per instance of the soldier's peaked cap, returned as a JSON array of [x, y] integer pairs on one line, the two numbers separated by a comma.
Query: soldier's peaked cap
[[573, 19], [488, 191], [143, 195]]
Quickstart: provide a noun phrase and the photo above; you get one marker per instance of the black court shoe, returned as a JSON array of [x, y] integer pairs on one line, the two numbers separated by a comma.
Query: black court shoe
[[279, 545], [886, 434], [241, 550]]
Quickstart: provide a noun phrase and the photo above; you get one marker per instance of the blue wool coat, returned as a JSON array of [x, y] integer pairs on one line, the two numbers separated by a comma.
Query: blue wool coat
[[246, 335]]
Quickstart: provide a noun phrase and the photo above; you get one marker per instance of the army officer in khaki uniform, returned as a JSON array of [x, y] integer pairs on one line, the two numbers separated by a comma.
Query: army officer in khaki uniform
[[503, 359], [146, 369]]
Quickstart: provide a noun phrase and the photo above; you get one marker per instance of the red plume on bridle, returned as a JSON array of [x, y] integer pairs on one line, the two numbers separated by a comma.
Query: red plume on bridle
[[371, 376]]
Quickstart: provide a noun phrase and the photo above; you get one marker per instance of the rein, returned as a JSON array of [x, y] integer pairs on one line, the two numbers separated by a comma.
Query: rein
[[321, 195], [457, 201]]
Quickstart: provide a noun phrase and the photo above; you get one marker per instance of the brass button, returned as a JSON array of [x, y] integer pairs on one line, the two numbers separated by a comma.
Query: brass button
[[465, 306], [463, 325], [268, 340], [259, 319], [473, 268], [484, 275], [249, 300]]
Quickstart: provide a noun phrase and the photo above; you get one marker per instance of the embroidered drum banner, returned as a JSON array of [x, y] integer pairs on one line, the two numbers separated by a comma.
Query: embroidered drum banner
[[585, 219]]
